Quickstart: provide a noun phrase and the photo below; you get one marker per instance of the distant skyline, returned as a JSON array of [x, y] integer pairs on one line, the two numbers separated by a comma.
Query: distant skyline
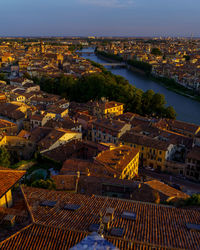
[[100, 18]]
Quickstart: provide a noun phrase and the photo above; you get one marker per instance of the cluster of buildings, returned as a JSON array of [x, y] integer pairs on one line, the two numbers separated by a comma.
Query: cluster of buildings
[[179, 59], [42, 59], [102, 199], [35, 121]]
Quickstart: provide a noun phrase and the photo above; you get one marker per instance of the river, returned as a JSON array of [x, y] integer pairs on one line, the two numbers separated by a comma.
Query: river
[[187, 110]]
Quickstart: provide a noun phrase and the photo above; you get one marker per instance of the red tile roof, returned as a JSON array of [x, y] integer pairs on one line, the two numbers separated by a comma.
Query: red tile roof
[[37, 236], [8, 178], [154, 224]]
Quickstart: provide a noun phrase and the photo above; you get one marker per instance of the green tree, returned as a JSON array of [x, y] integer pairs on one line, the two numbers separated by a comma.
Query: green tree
[[4, 157], [187, 57], [194, 200], [113, 87], [147, 98], [156, 52], [46, 184], [3, 76], [170, 112], [158, 103]]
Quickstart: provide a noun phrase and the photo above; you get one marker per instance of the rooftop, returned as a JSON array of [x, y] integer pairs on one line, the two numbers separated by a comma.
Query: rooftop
[[158, 225], [8, 178], [117, 158]]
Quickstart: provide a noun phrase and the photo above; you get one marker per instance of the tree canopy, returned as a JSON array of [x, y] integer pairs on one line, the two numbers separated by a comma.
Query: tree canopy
[[46, 184], [156, 52], [113, 87], [4, 157]]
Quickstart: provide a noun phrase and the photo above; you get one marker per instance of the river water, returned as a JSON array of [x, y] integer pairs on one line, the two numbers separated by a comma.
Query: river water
[[187, 110]]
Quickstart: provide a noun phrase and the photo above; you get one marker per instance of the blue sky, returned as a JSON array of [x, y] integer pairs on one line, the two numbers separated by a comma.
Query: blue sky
[[100, 17]]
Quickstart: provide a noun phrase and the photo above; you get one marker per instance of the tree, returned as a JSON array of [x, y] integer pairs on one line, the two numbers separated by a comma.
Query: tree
[[46, 184], [4, 157], [113, 87], [194, 200], [3, 77], [170, 112], [187, 57], [156, 52], [158, 103], [147, 98]]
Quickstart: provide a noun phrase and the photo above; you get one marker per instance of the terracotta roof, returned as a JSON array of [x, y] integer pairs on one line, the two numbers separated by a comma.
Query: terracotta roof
[[50, 139], [179, 126], [37, 117], [166, 190], [65, 182], [65, 123], [8, 178], [117, 158], [42, 237], [134, 138], [127, 117], [86, 168], [5, 124], [24, 134], [61, 153], [109, 124], [154, 224]]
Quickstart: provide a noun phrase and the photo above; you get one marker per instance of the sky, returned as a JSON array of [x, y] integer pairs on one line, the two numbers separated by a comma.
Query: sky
[[100, 18]]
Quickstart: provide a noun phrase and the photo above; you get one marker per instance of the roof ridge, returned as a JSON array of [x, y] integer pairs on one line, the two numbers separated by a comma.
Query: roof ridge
[[135, 201], [28, 207]]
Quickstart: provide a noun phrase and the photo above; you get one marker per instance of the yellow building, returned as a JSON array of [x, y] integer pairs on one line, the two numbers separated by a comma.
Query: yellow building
[[153, 152], [108, 109], [123, 161], [8, 178]]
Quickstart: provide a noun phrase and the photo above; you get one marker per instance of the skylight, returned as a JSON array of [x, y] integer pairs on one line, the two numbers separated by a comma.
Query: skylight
[[71, 207], [48, 203], [128, 215], [117, 232], [195, 227]]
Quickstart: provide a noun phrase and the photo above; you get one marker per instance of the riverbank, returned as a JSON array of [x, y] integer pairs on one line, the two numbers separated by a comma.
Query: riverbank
[[167, 83], [175, 87]]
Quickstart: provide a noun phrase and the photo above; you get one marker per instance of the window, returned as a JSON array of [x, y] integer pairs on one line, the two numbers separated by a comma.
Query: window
[[160, 152]]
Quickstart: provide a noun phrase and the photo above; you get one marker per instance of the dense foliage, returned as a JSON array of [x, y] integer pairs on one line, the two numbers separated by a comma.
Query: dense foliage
[[194, 200], [144, 66], [3, 77], [46, 184], [113, 87], [156, 52], [4, 157], [110, 56], [187, 57]]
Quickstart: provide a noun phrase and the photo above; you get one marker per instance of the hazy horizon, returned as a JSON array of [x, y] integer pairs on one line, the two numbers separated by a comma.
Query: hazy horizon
[[119, 18]]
